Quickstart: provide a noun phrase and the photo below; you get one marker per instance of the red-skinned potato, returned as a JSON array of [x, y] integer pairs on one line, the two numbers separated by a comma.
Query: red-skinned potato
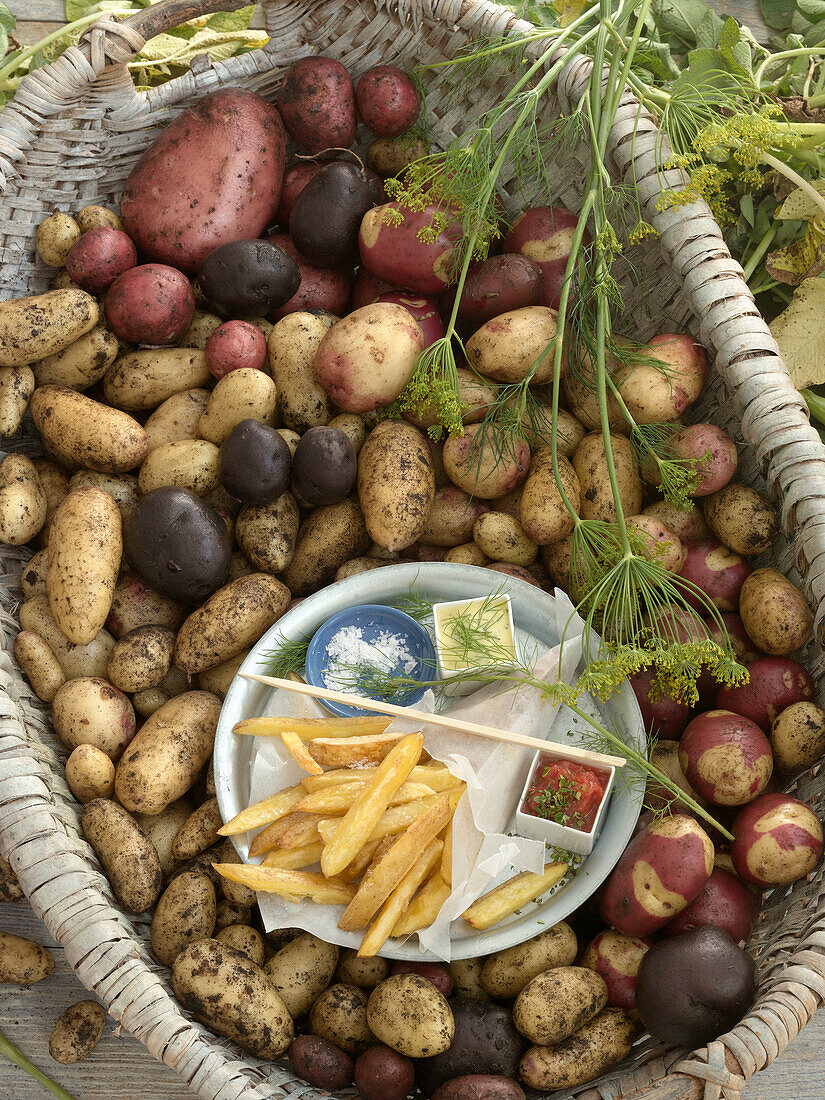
[[150, 304], [725, 902], [798, 737], [296, 177], [434, 972], [718, 571], [365, 361], [479, 470], [392, 250], [659, 873], [223, 156], [775, 683], [235, 344], [451, 518], [421, 551], [660, 543], [381, 1073], [326, 288], [368, 288], [617, 957], [688, 524], [424, 310], [726, 758], [317, 103], [387, 100], [715, 452], [740, 640], [778, 839], [498, 285], [510, 570], [480, 1086], [320, 1062], [544, 234], [662, 715], [99, 257]]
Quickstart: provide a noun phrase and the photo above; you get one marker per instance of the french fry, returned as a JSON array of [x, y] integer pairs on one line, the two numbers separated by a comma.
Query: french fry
[[292, 885], [447, 855], [436, 778], [342, 752], [361, 818], [292, 831], [263, 812], [424, 907], [356, 867], [297, 750], [294, 859], [307, 728], [398, 900], [395, 819], [384, 874], [338, 799], [504, 900]]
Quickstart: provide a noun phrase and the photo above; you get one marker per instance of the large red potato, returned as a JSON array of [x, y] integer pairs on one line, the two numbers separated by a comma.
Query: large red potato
[[326, 288], [317, 104], [741, 642], [775, 683], [99, 257], [617, 958], [726, 758], [717, 571], [150, 304], [368, 288], [659, 873], [544, 235], [391, 249], [725, 902], [498, 285], [778, 839], [214, 175]]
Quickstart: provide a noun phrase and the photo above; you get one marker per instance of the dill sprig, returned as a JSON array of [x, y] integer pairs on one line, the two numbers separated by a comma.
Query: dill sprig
[[289, 656]]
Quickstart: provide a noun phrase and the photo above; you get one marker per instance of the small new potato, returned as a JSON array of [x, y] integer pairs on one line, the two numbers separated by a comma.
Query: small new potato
[[511, 345], [267, 533], [22, 961], [218, 678], [390, 156], [292, 345], [87, 433], [89, 711], [660, 543], [97, 217], [503, 538], [234, 345], [141, 658], [128, 857], [387, 100], [185, 913], [558, 1002], [384, 1074], [317, 103], [451, 518], [198, 832], [542, 511], [590, 464], [339, 1015], [186, 464], [324, 466], [225, 990], [475, 397], [714, 451], [33, 577], [75, 660], [39, 663], [22, 501], [499, 285], [97, 259], [243, 394], [663, 378], [176, 418], [32, 328], [301, 971], [353, 426], [16, 388], [724, 902], [162, 829], [77, 1032], [327, 538], [726, 758], [774, 612], [396, 484], [199, 329], [742, 519], [409, 1014], [616, 959], [479, 470], [142, 380], [245, 938], [135, 604], [320, 1063], [55, 238], [602, 1043], [466, 975], [797, 736], [505, 973], [393, 250], [688, 524], [10, 888], [245, 279], [468, 553], [475, 1086], [718, 571], [90, 773], [122, 488], [365, 973], [150, 304]]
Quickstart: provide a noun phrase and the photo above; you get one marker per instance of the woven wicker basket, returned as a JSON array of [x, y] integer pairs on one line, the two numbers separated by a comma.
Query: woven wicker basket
[[71, 136]]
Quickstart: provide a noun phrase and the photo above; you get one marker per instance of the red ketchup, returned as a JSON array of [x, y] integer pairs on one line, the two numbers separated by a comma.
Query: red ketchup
[[565, 792]]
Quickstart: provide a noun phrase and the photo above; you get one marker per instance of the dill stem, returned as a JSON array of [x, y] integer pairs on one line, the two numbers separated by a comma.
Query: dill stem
[[759, 252], [10, 1051], [771, 59]]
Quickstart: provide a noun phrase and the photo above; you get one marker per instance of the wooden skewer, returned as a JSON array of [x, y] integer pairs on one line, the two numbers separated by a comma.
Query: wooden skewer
[[570, 752]]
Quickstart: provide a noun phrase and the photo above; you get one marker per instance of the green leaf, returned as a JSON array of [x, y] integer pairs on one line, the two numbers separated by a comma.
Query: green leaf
[[225, 21], [708, 31], [777, 13], [800, 205], [800, 333], [680, 17], [802, 259], [814, 9], [164, 49], [6, 18]]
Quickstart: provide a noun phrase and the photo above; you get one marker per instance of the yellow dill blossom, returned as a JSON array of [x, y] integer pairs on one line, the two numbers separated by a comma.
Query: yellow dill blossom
[[640, 232]]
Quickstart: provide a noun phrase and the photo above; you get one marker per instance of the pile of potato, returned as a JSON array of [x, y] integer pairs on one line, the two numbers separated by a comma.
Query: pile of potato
[[206, 378]]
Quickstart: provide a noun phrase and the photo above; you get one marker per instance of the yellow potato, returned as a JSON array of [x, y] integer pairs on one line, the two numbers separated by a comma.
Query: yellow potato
[[89, 711], [396, 484], [301, 971], [579, 387], [484, 464], [162, 829], [515, 345], [77, 1032], [144, 379], [774, 612], [199, 329], [97, 217], [55, 238], [90, 773], [590, 465], [474, 394], [602, 1043], [451, 518], [37, 660], [243, 394], [177, 418], [198, 832], [355, 566], [23, 962], [365, 973], [16, 388], [292, 345], [185, 913], [503, 538], [122, 488], [797, 737], [33, 576], [85, 547], [232, 619], [55, 484], [542, 511], [327, 538], [141, 658], [267, 533], [505, 973], [32, 328], [339, 1015], [741, 518], [134, 604], [218, 678], [292, 439], [558, 1002], [410, 1015], [353, 426], [469, 553], [186, 464], [82, 363], [75, 660], [128, 857], [87, 433], [246, 939], [22, 501], [466, 974]]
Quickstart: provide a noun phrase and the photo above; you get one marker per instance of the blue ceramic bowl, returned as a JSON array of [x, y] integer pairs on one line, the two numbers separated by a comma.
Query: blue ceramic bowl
[[373, 620]]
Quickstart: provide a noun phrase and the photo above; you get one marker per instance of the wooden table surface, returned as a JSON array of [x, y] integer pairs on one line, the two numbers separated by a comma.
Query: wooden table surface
[[120, 1062]]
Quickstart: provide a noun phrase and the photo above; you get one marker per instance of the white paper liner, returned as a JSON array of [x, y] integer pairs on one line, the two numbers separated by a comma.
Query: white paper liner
[[493, 771]]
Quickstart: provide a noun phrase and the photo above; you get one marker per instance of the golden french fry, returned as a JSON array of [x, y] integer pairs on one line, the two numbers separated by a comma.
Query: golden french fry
[[338, 799], [424, 907], [511, 895], [361, 818], [436, 778], [297, 750], [384, 874], [356, 867], [263, 812], [290, 884], [342, 752], [447, 855], [307, 728], [294, 859], [396, 818], [398, 900], [293, 831]]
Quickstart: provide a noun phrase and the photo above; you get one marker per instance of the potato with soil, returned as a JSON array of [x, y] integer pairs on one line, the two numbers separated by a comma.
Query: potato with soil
[[514, 345], [56, 236], [82, 363], [292, 345], [387, 100], [99, 257], [255, 463], [325, 289], [542, 511], [409, 1014], [176, 418], [797, 737], [590, 464], [726, 758], [185, 913], [198, 832], [390, 156], [499, 285], [327, 538], [46, 324], [144, 379], [87, 433], [688, 524], [724, 902], [96, 217], [339, 1015], [301, 971], [150, 304], [715, 453], [128, 857], [396, 484], [742, 519], [327, 214], [317, 103], [162, 829], [10, 888], [232, 619], [122, 488], [141, 658], [225, 990], [241, 395], [77, 1032], [659, 873], [474, 464], [166, 755], [267, 533], [485, 1042], [187, 464], [503, 539], [365, 973], [23, 502], [662, 378], [16, 388], [23, 962], [39, 664], [75, 660], [717, 571], [391, 247], [451, 518], [602, 1043], [324, 466], [555, 1004], [616, 959], [774, 612], [90, 773], [244, 938], [505, 973], [774, 683], [777, 840], [659, 543], [85, 548], [475, 397], [695, 986], [89, 711], [223, 156], [320, 1063], [474, 1086]]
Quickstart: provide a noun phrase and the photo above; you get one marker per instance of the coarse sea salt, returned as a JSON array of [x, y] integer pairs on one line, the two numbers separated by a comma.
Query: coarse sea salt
[[349, 650]]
